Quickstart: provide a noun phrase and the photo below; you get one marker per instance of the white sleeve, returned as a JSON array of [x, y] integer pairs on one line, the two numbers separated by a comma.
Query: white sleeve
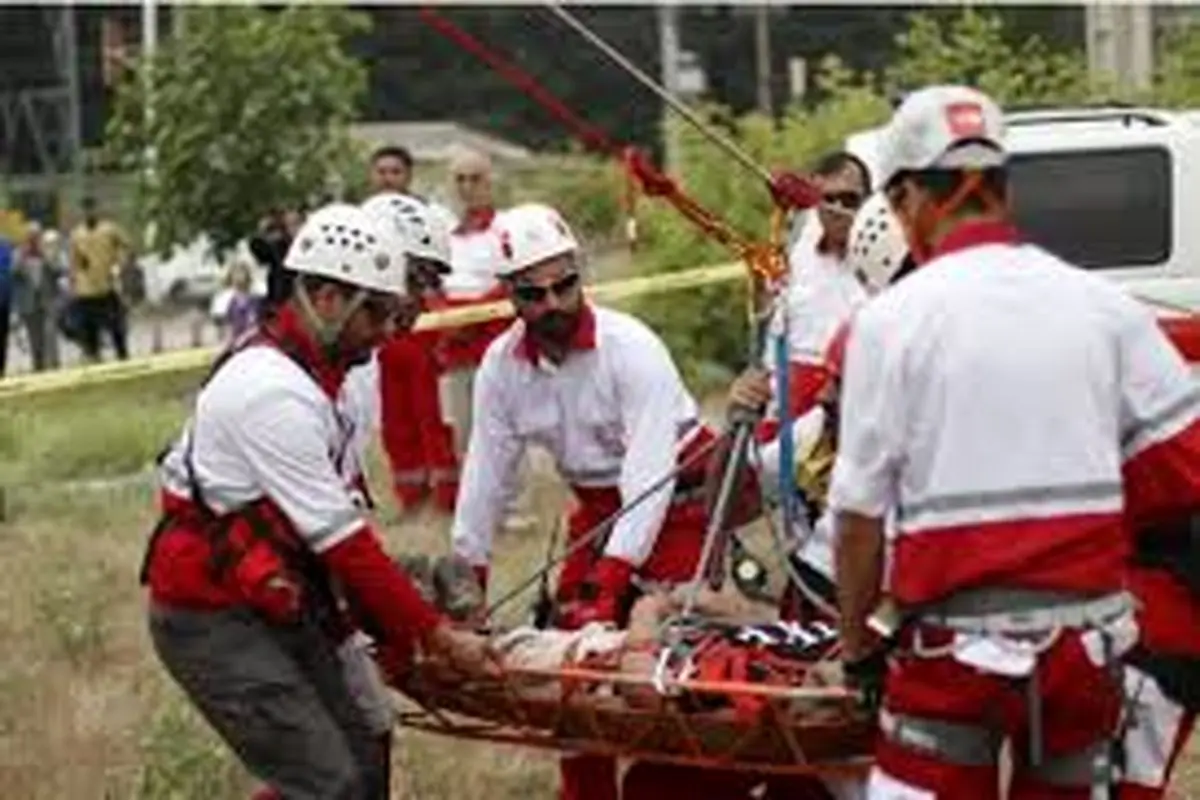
[[285, 446], [1159, 396], [870, 432], [650, 389], [489, 474]]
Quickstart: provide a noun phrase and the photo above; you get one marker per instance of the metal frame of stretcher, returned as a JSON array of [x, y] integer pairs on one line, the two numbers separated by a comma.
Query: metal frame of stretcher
[[794, 730]]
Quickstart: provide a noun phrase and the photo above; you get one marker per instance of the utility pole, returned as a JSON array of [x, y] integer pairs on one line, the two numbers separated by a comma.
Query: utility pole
[[1120, 43], [762, 54], [150, 153], [668, 48], [70, 68]]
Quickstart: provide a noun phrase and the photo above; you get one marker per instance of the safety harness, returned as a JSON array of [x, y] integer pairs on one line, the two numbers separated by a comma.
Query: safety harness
[[254, 551], [1037, 617]]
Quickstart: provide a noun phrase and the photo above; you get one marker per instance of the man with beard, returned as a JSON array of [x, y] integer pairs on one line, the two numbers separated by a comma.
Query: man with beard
[[264, 563], [599, 391]]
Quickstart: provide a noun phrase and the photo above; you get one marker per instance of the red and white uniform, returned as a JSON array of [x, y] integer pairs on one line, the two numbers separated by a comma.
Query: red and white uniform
[[474, 252], [615, 416], [269, 440], [821, 295], [1169, 622], [418, 442], [1012, 409]]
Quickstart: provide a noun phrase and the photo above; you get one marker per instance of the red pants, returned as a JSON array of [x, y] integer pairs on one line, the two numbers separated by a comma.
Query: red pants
[[673, 560], [1080, 707], [419, 444]]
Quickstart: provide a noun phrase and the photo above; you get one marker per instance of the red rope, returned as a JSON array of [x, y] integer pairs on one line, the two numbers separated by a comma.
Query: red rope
[[591, 136], [762, 259]]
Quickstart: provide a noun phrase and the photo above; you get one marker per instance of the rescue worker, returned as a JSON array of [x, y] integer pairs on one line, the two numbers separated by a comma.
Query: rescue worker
[[821, 291], [475, 254], [1013, 411], [263, 562], [877, 253], [418, 442], [391, 169], [599, 391]]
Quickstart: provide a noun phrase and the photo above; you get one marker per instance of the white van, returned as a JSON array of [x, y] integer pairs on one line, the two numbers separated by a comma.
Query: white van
[[1110, 189]]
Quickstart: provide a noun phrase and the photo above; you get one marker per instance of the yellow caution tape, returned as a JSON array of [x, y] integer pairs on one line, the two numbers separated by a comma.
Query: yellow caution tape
[[16, 387]]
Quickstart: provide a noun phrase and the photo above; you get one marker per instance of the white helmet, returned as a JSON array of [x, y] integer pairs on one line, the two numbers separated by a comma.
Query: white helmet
[[529, 234], [343, 242], [946, 127], [424, 232], [876, 246]]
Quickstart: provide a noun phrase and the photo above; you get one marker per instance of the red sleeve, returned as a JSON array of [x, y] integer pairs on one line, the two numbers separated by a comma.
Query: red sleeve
[[380, 588], [1160, 423], [1184, 333], [1163, 480], [805, 382]]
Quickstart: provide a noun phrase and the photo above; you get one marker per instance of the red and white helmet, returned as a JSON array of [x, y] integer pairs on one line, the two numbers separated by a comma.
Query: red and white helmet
[[876, 246], [530, 234], [424, 233], [343, 242]]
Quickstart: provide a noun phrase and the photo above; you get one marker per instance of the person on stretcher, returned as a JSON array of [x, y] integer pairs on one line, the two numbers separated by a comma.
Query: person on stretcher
[[724, 625], [732, 641]]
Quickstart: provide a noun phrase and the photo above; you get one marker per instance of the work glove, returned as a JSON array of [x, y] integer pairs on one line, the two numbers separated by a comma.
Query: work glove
[[794, 192], [600, 598], [867, 675]]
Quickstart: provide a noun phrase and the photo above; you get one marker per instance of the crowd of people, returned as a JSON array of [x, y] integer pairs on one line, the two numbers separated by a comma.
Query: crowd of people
[[54, 289], [1000, 444]]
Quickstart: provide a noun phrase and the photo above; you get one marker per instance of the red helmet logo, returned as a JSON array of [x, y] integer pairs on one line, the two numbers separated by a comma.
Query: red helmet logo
[[965, 120]]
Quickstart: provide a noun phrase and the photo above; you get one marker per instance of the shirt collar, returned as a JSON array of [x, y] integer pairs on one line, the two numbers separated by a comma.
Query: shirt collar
[[288, 333], [476, 220], [826, 248], [976, 233], [584, 338]]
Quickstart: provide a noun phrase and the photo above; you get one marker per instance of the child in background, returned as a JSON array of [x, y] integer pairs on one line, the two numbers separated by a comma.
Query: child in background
[[242, 312]]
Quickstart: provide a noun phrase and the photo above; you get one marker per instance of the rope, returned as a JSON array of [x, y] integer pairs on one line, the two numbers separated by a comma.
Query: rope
[[764, 260]]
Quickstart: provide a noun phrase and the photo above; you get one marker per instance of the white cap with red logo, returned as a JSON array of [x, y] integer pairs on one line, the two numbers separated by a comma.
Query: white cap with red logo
[[943, 127], [530, 234]]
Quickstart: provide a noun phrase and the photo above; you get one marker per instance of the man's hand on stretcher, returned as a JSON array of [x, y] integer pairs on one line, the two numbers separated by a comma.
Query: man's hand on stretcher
[[463, 650]]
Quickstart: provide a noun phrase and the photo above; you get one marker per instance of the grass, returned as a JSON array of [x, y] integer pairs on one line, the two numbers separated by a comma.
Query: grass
[[85, 709]]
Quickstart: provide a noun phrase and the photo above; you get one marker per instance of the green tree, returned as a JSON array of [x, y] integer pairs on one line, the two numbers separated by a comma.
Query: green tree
[[975, 48], [250, 112], [1177, 82], [707, 328]]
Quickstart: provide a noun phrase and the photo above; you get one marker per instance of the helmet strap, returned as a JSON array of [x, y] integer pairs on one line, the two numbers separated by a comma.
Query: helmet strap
[[928, 220], [327, 332]]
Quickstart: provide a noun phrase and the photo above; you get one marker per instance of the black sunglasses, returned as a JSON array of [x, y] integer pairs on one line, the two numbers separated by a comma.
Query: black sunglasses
[[531, 293], [847, 200]]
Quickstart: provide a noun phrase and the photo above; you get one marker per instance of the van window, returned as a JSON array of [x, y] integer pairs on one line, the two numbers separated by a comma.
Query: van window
[[1099, 209]]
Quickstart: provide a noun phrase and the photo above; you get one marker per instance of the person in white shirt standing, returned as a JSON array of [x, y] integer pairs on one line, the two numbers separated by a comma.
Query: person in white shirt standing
[[600, 392], [1015, 413], [474, 255], [264, 563], [822, 291]]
